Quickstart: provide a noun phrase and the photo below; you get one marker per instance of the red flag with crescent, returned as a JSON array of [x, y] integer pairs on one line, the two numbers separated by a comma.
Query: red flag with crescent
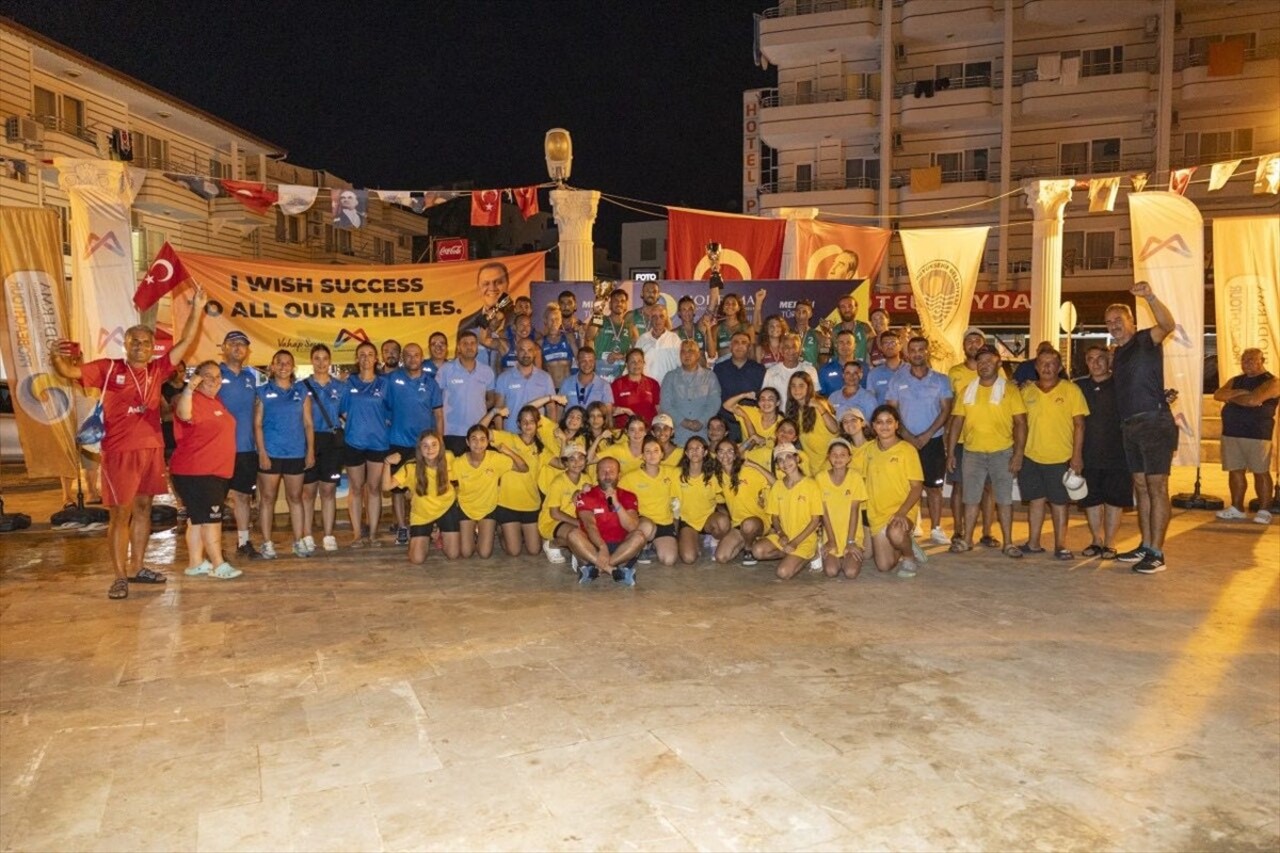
[[165, 273], [486, 208]]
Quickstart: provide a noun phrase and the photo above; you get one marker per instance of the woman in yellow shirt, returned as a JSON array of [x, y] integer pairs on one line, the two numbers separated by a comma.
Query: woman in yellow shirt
[[699, 499], [558, 517], [743, 484], [795, 514], [519, 497], [663, 428], [843, 492], [655, 487], [894, 483], [628, 451], [814, 418], [432, 499], [478, 473], [758, 424]]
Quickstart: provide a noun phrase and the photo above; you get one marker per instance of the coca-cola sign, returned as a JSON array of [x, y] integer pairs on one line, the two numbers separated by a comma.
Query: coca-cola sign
[[453, 249]]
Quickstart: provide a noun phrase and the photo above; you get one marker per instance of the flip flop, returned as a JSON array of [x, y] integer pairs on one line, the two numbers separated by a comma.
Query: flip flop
[[1063, 554], [1026, 548], [1108, 553], [1092, 551], [119, 589], [959, 546], [146, 575], [989, 542], [1013, 552]]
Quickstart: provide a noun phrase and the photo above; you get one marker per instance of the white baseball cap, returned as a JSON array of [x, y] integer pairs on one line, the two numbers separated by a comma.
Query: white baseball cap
[[1076, 486]]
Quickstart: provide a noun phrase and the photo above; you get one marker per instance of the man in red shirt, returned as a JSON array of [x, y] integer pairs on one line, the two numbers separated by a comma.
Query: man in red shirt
[[609, 538], [634, 393], [133, 445]]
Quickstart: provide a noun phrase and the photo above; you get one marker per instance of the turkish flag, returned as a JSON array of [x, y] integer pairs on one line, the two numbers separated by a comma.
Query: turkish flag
[[486, 208], [165, 273], [526, 200], [251, 194], [750, 246]]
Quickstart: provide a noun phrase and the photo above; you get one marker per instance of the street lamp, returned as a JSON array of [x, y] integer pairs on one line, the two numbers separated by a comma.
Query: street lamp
[[559, 150]]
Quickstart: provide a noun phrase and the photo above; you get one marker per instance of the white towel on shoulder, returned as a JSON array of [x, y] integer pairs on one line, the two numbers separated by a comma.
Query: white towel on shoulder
[[997, 392]]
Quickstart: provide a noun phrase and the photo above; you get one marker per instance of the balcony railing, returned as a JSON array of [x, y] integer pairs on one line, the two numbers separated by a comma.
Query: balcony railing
[[820, 185], [67, 126], [1218, 157], [955, 176], [1057, 169], [809, 7], [975, 81], [847, 93], [1193, 60], [1097, 69], [1071, 265]]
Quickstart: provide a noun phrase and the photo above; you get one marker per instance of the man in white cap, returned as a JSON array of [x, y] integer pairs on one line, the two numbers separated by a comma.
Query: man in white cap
[[961, 375], [239, 392]]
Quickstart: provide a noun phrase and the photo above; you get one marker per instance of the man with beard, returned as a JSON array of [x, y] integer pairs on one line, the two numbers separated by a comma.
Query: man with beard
[[960, 376], [924, 399], [467, 389], [639, 318], [238, 395], [614, 337], [738, 374], [1105, 472], [390, 356], [609, 538], [847, 308], [526, 383]]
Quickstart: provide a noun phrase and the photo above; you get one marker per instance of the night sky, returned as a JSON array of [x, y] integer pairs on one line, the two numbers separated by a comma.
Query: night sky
[[425, 94]]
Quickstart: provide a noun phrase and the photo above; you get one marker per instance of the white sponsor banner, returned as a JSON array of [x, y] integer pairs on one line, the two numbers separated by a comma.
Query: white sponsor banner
[[1168, 246], [943, 264], [100, 193], [1246, 275]]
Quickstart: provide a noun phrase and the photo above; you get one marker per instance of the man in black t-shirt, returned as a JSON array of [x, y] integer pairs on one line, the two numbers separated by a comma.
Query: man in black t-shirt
[[1106, 472], [1146, 424]]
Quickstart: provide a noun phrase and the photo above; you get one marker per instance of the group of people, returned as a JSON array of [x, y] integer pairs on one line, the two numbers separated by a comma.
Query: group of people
[[625, 441]]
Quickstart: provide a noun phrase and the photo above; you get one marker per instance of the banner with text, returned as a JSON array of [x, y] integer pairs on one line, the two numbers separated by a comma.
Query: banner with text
[[750, 247], [32, 317], [1168, 245], [1246, 275], [943, 264], [295, 306]]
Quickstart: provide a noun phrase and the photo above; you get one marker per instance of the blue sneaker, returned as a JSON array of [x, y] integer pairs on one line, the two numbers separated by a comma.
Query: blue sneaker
[[628, 576], [587, 574]]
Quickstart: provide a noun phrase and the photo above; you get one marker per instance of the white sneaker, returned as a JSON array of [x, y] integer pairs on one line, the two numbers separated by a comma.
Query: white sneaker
[[330, 543], [309, 544], [1263, 517], [1232, 514], [555, 555], [939, 537], [815, 565], [573, 562], [268, 551]]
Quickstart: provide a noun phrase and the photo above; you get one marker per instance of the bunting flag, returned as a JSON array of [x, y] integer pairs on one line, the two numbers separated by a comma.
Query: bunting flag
[[350, 208], [486, 208], [1246, 275], [296, 198], [420, 201], [33, 316], [1180, 179], [837, 252], [943, 264], [100, 194], [750, 246], [165, 273], [527, 200], [1267, 177], [252, 194], [1139, 181], [1102, 194], [1221, 173], [926, 180], [206, 188], [1168, 245]]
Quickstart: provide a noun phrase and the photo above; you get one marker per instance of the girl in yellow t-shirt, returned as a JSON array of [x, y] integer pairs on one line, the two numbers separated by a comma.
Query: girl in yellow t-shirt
[[478, 473], [699, 499], [894, 483], [627, 451], [431, 494], [655, 487], [743, 485], [519, 497], [843, 492], [558, 517], [814, 419], [759, 424], [795, 514]]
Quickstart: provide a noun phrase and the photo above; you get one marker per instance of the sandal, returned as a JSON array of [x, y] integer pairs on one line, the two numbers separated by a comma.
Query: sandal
[[146, 575], [1092, 551], [225, 571], [1026, 548], [1063, 554], [1013, 552], [1108, 553], [119, 589], [989, 542], [959, 546]]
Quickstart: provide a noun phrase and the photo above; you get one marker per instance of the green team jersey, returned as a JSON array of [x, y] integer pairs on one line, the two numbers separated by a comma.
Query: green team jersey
[[612, 337]]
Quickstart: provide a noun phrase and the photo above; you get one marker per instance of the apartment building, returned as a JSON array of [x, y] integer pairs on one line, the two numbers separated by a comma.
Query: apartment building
[[999, 92], [55, 102]]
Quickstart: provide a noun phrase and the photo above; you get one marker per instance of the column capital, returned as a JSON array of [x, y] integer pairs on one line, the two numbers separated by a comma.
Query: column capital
[[573, 207], [1048, 198]]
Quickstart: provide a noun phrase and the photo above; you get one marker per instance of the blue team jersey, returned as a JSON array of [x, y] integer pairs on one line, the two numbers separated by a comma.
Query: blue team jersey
[[282, 425], [413, 401], [516, 390], [831, 378], [239, 391], [463, 390], [366, 410], [329, 401], [919, 399], [557, 350]]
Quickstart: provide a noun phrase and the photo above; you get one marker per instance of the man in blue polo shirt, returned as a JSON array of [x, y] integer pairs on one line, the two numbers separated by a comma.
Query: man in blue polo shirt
[[586, 386], [831, 374], [416, 405], [924, 398], [239, 391], [467, 388], [526, 383]]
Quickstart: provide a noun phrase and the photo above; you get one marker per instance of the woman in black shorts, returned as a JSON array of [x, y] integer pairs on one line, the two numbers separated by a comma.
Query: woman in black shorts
[[286, 448]]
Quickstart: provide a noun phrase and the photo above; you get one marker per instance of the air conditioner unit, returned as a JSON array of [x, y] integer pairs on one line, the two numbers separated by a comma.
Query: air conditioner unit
[[24, 130]]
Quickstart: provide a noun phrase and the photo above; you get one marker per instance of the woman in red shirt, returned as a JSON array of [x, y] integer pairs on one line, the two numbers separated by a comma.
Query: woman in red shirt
[[201, 468], [634, 393]]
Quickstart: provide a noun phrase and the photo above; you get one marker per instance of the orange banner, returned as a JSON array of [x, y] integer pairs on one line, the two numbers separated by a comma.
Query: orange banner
[[296, 306]]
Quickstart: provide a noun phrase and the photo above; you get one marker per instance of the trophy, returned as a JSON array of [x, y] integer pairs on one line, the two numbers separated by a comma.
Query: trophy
[[502, 306], [713, 257], [600, 300]]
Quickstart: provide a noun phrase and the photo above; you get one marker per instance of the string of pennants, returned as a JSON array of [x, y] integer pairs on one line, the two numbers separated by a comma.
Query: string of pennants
[[349, 207]]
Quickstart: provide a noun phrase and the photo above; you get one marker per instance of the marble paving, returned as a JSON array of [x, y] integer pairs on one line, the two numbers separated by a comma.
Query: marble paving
[[352, 702]]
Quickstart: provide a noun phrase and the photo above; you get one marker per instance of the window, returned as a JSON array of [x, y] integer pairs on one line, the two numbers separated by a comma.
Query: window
[[1100, 61], [337, 240], [219, 169], [1218, 145], [289, 229], [150, 152], [862, 174], [64, 113], [964, 74], [1088, 250], [1082, 158], [804, 91], [804, 177], [970, 165], [1198, 47], [649, 249]]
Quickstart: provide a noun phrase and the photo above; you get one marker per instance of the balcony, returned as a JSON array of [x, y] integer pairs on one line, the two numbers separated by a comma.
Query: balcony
[[850, 195], [949, 21], [958, 188], [66, 139], [804, 118], [1106, 89], [960, 102], [164, 197], [230, 213], [800, 31], [1072, 14], [1258, 87], [1050, 169]]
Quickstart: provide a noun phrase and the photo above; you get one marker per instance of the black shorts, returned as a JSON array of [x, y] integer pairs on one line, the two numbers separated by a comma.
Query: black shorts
[[455, 444], [664, 530], [1150, 440], [283, 465], [503, 515], [1039, 480], [406, 455], [933, 461], [244, 479], [450, 522], [204, 496], [424, 529], [354, 457], [681, 524], [328, 467], [1110, 486]]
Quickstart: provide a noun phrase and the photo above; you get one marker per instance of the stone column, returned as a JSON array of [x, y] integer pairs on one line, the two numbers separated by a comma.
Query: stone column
[[575, 212], [1046, 200]]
